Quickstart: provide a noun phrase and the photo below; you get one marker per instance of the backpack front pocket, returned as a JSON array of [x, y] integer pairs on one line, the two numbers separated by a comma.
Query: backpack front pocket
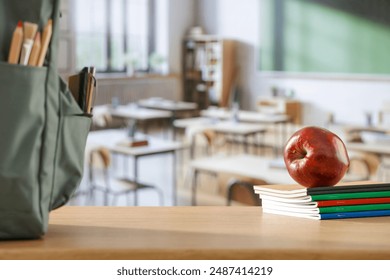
[[22, 118], [73, 132]]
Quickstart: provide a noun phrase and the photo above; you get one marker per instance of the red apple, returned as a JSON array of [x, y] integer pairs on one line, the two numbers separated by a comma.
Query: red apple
[[316, 157]]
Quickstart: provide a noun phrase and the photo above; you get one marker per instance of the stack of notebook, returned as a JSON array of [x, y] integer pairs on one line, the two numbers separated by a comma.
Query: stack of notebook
[[336, 202], [82, 86]]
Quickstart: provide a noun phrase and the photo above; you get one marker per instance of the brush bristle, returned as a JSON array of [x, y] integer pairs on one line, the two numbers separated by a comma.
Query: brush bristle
[[30, 29]]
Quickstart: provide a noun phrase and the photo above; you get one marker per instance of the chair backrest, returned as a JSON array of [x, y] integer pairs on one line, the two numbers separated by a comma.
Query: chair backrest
[[200, 137], [364, 164], [242, 191], [210, 137], [99, 159]]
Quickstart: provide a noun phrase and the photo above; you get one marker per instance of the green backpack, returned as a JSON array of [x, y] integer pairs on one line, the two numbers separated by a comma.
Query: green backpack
[[43, 131]]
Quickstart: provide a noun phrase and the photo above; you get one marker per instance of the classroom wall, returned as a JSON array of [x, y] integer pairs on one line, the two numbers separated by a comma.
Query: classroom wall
[[347, 98], [181, 16]]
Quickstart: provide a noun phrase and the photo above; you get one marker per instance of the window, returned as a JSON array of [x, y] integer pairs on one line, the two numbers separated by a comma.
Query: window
[[112, 34]]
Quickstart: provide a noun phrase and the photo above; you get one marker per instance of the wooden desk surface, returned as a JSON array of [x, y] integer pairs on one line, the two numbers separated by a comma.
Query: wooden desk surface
[[200, 233]]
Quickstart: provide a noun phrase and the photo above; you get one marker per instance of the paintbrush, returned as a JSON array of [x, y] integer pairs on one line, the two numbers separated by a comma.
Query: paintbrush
[[16, 44], [29, 29]]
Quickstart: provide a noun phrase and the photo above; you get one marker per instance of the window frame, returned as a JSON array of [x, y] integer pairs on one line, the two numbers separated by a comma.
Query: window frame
[[109, 37]]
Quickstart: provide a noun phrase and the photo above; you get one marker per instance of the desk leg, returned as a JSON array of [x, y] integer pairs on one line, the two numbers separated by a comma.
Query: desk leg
[[174, 190], [284, 134], [167, 126], [136, 181], [171, 124], [174, 133], [146, 127], [246, 144], [194, 186], [125, 165], [261, 143], [192, 147], [230, 142], [256, 143], [278, 138]]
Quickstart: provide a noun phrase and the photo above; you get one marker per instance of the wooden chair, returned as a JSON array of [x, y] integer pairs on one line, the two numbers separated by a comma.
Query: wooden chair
[[102, 180], [242, 191], [104, 120], [363, 165], [210, 140]]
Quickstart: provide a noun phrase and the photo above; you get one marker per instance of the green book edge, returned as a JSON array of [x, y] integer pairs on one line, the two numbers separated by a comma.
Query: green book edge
[[336, 196], [351, 208]]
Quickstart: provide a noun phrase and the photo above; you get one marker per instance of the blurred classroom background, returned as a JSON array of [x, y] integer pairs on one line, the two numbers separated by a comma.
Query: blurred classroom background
[[195, 98]]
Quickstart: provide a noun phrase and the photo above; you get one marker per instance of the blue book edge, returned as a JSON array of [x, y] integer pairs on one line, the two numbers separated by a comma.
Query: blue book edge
[[357, 214]]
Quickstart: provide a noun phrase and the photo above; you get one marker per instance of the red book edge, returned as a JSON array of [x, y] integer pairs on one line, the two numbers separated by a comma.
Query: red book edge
[[354, 201]]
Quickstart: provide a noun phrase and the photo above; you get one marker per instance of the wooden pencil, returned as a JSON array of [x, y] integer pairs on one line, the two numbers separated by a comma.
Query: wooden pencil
[[16, 44], [46, 36], [35, 50]]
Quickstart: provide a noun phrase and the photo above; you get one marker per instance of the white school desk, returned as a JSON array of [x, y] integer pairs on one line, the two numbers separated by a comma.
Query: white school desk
[[111, 138], [168, 105], [175, 108], [240, 130], [278, 121], [246, 116], [139, 114], [225, 126]]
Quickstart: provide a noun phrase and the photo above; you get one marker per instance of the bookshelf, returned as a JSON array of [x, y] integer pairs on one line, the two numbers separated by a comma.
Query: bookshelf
[[209, 70]]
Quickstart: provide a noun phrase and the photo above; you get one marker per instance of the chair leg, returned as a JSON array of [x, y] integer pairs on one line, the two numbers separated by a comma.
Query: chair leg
[[194, 186], [114, 200], [135, 197], [161, 196], [230, 193], [234, 184], [90, 195], [105, 198], [128, 199]]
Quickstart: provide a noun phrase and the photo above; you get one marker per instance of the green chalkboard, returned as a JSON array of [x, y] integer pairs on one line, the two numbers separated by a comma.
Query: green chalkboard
[[325, 36]]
